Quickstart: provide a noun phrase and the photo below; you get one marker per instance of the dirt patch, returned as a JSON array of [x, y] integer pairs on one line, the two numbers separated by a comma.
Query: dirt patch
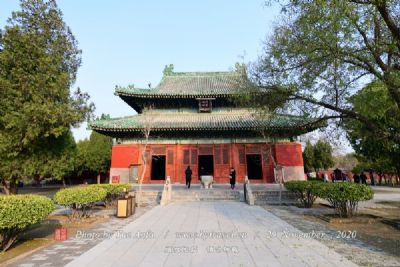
[[361, 218], [42, 235], [24, 247], [376, 233], [369, 226], [390, 203], [392, 222]]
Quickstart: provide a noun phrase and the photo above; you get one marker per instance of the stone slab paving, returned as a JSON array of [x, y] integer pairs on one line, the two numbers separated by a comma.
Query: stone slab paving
[[210, 234], [62, 252]]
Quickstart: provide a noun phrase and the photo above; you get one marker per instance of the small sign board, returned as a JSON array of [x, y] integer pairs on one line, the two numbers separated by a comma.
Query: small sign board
[[61, 234], [115, 179]]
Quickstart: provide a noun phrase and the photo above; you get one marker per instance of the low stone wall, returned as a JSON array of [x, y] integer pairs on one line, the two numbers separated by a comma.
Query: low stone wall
[[262, 197], [149, 198]]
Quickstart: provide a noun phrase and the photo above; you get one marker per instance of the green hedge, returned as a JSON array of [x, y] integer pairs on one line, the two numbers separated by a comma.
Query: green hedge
[[113, 191], [17, 212], [306, 191], [80, 199], [344, 197]]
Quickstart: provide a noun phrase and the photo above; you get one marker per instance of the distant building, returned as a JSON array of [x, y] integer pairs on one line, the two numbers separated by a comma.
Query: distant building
[[195, 122]]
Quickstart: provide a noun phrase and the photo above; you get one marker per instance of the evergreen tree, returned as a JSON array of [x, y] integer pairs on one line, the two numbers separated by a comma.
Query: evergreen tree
[[323, 158], [99, 153], [308, 157], [94, 155], [375, 151], [39, 59], [81, 168], [318, 156]]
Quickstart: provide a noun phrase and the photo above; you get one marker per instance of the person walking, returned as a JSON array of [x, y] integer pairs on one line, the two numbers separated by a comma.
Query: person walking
[[188, 174], [232, 178]]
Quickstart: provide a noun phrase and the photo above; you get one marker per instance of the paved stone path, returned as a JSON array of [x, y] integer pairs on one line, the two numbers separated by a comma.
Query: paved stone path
[[210, 234], [63, 252]]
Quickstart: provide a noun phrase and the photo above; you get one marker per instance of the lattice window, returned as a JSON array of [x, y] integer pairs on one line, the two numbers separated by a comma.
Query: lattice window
[[217, 156], [242, 156], [225, 156], [148, 155], [170, 157], [194, 156], [186, 156]]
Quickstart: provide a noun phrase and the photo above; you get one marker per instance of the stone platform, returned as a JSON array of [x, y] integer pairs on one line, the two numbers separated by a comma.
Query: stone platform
[[263, 193]]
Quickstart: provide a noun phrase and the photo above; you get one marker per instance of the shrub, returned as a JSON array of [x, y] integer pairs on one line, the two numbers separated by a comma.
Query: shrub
[[113, 191], [344, 197], [80, 199], [17, 212], [306, 191]]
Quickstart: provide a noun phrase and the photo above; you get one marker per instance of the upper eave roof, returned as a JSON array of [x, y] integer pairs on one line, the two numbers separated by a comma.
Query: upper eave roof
[[190, 85]]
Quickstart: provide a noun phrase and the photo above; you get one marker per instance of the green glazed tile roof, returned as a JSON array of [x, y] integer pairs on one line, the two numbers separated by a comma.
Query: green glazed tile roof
[[223, 120], [189, 84]]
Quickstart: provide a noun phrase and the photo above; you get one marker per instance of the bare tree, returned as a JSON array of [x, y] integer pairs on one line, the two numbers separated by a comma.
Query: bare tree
[[148, 119]]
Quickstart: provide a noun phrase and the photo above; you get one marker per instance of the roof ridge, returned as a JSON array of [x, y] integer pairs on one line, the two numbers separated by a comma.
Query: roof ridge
[[203, 73]]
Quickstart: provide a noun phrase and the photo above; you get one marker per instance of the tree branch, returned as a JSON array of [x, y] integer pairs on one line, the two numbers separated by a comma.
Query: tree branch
[[343, 112], [390, 23], [363, 34]]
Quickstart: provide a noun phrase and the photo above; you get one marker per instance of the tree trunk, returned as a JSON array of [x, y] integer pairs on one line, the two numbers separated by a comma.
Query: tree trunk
[[98, 178], [144, 160], [37, 179], [10, 187]]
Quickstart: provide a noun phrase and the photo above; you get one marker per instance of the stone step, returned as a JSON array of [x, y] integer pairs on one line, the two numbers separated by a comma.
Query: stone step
[[205, 195], [211, 196], [207, 192], [202, 197]]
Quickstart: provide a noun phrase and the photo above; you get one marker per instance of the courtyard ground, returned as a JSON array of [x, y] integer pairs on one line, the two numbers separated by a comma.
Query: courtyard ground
[[200, 234], [151, 240]]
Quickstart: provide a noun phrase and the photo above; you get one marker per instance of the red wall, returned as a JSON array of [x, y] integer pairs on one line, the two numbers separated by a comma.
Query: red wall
[[225, 156], [288, 154], [124, 155]]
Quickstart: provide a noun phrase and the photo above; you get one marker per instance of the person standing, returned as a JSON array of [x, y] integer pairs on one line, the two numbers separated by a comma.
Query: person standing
[[188, 174], [371, 176], [232, 178], [326, 177], [363, 178], [356, 178]]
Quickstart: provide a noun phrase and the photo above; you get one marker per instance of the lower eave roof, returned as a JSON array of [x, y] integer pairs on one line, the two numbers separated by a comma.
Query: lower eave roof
[[239, 120]]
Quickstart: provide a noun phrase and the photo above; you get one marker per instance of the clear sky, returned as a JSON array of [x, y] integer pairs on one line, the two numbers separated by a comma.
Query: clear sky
[[129, 41]]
